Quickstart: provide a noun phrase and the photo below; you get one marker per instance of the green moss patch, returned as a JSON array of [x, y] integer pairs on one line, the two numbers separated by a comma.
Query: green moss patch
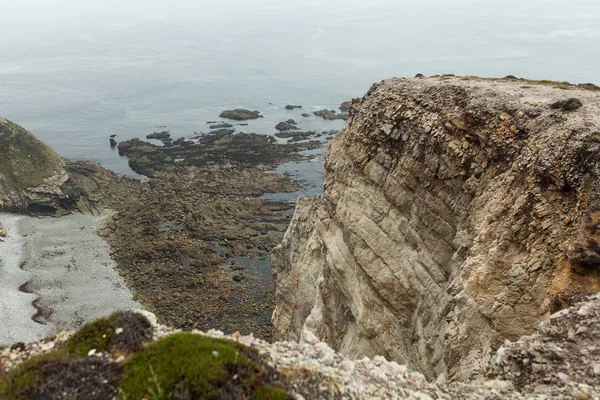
[[191, 366], [122, 331]]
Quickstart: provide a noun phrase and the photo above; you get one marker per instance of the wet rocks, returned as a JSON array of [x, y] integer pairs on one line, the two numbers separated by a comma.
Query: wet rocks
[[330, 115], [345, 106], [159, 135], [292, 107], [113, 142], [240, 114], [288, 125], [220, 126], [296, 136]]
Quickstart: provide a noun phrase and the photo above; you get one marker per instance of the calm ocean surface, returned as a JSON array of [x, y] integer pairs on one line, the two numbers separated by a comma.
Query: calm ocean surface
[[76, 73]]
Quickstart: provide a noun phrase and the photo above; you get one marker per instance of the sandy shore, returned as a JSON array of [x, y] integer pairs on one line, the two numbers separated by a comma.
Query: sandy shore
[[55, 273]]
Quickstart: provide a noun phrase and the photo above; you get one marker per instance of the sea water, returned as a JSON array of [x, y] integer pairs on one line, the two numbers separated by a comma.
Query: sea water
[[75, 73]]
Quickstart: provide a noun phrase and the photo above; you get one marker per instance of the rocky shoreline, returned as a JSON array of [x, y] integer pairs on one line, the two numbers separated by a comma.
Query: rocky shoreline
[[193, 241]]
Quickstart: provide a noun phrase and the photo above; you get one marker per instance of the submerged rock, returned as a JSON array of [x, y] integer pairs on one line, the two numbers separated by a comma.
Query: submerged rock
[[291, 107]]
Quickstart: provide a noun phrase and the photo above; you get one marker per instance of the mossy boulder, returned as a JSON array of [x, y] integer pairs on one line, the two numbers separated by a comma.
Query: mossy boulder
[[190, 366], [122, 332]]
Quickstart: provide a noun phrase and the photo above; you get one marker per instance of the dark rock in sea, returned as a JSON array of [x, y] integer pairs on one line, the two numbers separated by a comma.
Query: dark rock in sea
[[571, 104], [330, 115], [345, 106], [215, 135], [220, 126], [286, 125], [295, 136], [182, 142], [240, 114], [305, 115], [112, 136], [291, 107], [159, 135], [113, 142], [242, 124]]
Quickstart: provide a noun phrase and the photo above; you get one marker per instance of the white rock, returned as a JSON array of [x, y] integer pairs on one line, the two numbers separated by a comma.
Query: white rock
[[327, 359], [309, 337], [91, 352], [47, 346], [347, 366], [378, 360], [118, 331]]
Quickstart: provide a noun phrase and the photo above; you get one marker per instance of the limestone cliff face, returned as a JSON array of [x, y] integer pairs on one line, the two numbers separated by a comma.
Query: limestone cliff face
[[34, 179], [457, 213]]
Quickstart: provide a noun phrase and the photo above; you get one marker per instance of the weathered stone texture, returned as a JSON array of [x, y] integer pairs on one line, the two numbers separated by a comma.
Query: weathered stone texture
[[458, 212]]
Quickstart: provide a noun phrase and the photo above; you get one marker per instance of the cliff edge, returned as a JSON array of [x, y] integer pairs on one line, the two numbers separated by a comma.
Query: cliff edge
[[457, 213]]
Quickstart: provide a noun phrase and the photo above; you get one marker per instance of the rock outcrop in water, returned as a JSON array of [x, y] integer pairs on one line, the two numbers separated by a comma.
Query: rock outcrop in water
[[458, 213]]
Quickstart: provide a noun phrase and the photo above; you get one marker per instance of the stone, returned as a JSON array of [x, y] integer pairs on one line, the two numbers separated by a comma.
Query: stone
[[570, 104], [444, 196], [240, 114]]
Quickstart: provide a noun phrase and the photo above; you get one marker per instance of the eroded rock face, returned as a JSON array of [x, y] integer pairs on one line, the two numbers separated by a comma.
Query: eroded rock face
[[31, 173], [458, 212], [34, 179]]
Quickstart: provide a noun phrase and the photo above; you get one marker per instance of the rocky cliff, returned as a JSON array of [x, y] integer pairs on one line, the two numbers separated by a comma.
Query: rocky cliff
[[457, 213], [34, 179]]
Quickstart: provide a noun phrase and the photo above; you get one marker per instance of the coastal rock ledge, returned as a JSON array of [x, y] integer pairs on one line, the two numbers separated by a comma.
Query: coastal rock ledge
[[35, 180], [458, 213]]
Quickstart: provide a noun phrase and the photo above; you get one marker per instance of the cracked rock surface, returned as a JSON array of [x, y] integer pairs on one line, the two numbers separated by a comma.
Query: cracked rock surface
[[458, 213]]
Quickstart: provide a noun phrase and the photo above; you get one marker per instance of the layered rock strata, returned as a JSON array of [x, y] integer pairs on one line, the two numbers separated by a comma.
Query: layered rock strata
[[457, 213], [34, 179]]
